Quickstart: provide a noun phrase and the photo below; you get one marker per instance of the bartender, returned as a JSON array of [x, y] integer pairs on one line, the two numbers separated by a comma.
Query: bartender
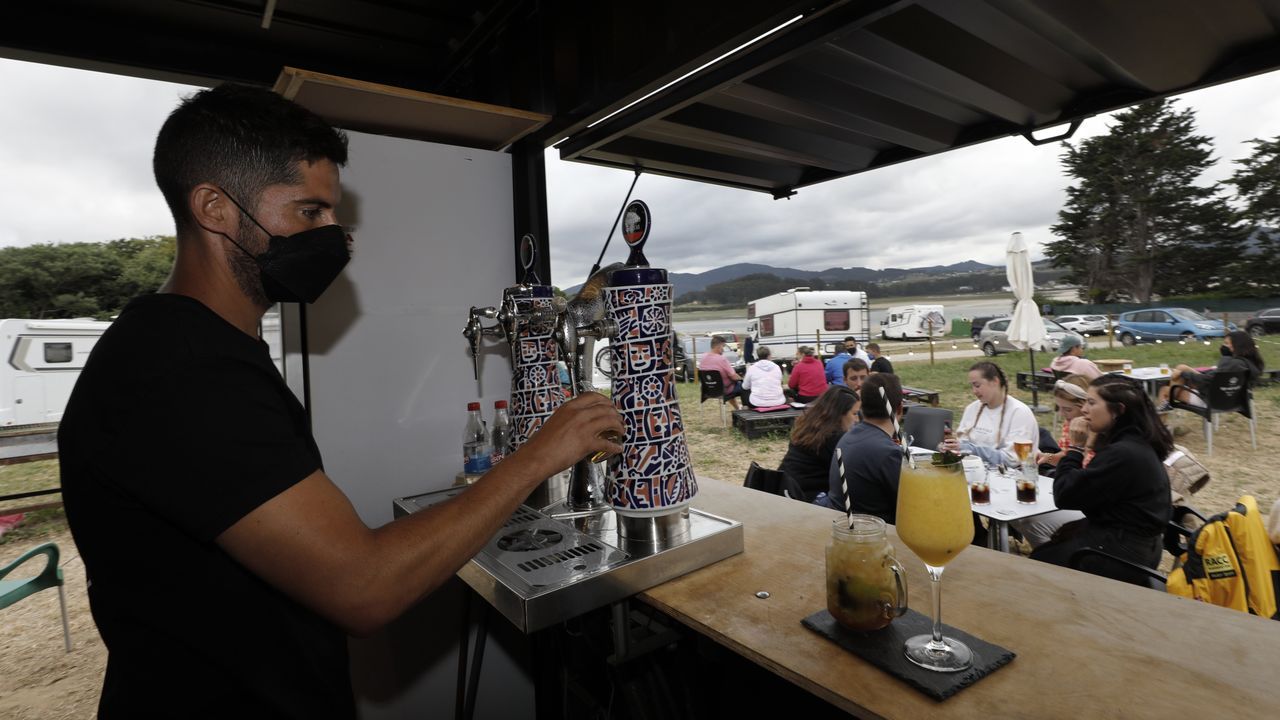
[[226, 569]]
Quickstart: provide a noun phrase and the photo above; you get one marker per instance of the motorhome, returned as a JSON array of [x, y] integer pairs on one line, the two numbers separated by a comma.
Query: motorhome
[[800, 316], [43, 360], [914, 322]]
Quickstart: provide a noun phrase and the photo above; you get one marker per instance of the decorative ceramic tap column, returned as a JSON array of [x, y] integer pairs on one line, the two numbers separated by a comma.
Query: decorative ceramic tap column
[[653, 475], [535, 379]]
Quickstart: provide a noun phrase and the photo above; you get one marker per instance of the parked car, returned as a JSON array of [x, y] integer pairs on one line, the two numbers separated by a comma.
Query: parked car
[[1167, 324], [731, 339], [1264, 323], [1084, 324], [994, 338], [976, 325]]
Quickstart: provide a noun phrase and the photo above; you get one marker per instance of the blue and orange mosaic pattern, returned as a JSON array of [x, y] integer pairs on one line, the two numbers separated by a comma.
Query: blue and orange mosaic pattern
[[654, 471], [535, 381]]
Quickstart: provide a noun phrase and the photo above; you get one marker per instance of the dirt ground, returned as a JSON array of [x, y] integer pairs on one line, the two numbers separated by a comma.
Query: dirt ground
[[39, 681]]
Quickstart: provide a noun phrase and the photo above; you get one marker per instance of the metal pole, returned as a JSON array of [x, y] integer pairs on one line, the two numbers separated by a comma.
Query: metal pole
[[1111, 332], [929, 336], [817, 334], [1035, 380]]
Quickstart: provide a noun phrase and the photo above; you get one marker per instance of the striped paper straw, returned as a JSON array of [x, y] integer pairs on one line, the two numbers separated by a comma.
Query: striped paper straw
[[897, 430], [844, 487]]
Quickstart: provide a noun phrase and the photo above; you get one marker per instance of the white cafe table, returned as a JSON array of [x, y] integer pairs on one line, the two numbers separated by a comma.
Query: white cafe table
[[1004, 506], [1150, 377]]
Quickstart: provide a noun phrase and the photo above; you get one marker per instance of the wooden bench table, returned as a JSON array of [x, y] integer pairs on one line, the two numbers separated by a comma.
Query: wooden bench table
[[754, 424], [1113, 364], [1043, 381], [1087, 647], [920, 395]]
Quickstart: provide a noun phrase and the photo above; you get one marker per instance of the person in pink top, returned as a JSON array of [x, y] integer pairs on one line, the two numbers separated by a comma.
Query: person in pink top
[[1071, 359], [715, 360], [808, 377]]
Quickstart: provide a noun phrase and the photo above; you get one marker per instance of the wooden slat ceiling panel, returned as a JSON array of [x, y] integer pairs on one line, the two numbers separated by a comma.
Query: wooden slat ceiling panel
[[933, 75]]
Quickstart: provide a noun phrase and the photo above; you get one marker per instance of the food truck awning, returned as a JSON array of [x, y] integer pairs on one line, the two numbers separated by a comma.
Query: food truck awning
[[828, 88]]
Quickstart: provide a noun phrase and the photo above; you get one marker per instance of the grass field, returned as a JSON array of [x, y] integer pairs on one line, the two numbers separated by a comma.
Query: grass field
[[1236, 468]]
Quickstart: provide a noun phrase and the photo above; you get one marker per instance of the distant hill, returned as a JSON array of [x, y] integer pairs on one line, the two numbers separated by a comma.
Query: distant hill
[[685, 283]]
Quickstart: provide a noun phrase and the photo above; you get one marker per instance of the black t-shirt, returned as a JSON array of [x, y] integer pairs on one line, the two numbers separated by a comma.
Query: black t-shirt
[[179, 426]]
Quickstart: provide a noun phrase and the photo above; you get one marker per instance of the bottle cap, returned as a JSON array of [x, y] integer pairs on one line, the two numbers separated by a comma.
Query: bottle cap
[[500, 405], [473, 406]]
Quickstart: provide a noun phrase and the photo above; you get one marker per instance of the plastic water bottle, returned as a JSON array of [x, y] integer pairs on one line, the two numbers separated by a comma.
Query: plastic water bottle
[[475, 443], [501, 433]]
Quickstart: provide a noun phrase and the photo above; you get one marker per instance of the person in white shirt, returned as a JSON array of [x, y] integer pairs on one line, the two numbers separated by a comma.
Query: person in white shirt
[[994, 422], [764, 380]]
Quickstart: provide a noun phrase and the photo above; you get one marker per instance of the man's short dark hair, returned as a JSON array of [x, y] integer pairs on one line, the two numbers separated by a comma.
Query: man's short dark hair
[[242, 139], [872, 405], [854, 364], [763, 352], [717, 340], [874, 346], [851, 340]]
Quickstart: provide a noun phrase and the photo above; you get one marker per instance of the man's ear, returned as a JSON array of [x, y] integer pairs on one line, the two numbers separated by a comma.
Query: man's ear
[[211, 209]]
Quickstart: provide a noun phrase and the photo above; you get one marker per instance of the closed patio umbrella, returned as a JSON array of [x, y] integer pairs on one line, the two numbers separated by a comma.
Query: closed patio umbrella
[[1026, 328]]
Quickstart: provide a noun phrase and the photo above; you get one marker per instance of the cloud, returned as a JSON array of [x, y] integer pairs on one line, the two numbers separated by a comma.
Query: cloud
[[76, 154], [76, 159]]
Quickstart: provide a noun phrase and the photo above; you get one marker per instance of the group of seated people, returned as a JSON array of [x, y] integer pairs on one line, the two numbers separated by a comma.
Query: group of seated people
[[1109, 479], [761, 385]]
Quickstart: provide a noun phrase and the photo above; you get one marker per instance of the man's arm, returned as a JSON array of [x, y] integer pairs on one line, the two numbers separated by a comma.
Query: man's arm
[[309, 543]]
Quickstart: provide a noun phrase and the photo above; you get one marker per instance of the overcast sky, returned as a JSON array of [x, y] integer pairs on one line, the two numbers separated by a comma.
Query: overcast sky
[[75, 165]]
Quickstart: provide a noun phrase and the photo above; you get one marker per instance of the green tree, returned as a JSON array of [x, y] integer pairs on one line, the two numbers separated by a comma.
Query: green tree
[[1135, 223], [81, 279], [1257, 187]]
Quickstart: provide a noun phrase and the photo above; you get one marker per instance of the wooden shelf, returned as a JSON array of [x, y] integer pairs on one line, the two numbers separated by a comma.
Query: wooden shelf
[[386, 110]]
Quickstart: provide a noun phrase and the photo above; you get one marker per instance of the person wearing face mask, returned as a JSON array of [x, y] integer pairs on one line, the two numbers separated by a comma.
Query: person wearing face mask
[[993, 422], [1124, 492], [182, 448], [1239, 353]]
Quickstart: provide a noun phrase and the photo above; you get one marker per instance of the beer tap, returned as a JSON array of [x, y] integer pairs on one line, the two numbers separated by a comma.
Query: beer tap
[[475, 330]]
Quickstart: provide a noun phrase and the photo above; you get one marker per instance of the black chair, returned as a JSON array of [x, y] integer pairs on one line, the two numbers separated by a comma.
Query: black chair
[[924, 425], [774, 482], [713, 388], [1104, 564], [1226, 392]]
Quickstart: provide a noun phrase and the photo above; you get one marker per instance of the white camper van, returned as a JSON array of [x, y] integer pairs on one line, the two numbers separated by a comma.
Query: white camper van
[[907, 322], [43, 359], [801, 316]]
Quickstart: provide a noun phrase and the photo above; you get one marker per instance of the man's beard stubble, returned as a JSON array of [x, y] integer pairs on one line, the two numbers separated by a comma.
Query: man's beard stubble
[[244, 268]]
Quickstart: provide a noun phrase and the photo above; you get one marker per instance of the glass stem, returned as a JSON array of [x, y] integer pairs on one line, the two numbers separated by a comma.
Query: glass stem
[[935, 585]]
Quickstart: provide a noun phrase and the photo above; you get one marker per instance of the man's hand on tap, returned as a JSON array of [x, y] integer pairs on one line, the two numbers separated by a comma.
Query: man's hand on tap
[[578, 429]]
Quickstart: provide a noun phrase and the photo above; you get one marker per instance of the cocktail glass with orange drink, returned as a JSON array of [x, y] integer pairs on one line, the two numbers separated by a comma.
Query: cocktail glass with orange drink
[[935, 521]]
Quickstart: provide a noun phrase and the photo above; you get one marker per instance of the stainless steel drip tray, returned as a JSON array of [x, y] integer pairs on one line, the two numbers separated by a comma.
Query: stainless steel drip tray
[[539, 570]]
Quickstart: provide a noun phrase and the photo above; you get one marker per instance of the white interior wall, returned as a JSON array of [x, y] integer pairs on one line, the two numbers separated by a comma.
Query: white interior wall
[[390, 379]]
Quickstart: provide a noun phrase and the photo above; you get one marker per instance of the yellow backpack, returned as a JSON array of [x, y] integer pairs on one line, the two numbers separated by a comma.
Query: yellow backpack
[[1231, 562]]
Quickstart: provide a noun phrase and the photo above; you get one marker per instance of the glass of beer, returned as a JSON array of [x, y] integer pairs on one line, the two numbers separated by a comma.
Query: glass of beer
[[935, 521], [1022, 450]]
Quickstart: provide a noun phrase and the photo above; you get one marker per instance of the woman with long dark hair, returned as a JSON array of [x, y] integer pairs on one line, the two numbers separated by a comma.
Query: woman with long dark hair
[[814, 438], [1239, 354], [1124, 493]]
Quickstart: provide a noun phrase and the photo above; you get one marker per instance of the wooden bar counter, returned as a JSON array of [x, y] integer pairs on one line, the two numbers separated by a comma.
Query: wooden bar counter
[[1086, 646]]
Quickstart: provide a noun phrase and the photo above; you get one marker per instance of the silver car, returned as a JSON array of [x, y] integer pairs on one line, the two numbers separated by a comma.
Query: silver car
[[994, 338], [1084, 324]]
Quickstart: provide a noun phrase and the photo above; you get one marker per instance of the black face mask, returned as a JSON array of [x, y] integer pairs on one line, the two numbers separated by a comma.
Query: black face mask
[[298, 268], [1224, 350]]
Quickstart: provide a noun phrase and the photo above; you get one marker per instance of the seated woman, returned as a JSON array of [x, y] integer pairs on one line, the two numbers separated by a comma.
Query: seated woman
[[1124, 493], [872, 461], [1239, 353], [1070, 394], [993, 422], [762, 382], [808, 377], [814, 438]]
